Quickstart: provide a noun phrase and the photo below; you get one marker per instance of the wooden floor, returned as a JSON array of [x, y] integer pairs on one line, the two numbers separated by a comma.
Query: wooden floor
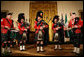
[[49, 51]]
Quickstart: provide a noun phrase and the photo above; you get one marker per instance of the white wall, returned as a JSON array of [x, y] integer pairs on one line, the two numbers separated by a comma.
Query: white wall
[[23, 7], [69, 6], [16, 7]]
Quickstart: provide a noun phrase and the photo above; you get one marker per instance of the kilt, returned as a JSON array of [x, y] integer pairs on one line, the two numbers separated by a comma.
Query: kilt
[[36, 37], [58, 39], [4, 37], [21, 38], [76, 38]]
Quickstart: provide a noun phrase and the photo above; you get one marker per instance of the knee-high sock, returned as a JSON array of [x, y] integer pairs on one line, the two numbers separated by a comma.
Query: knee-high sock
[[3, 45], [55, 46], [8, 44], [38, 46], [20, 46], [3, 50], [59, 47], [41, 47], [78, 50], [23, 45], [8, 49], [75, 48]]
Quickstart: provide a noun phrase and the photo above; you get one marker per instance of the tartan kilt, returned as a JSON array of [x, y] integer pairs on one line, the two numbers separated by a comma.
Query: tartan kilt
[[77, 38], [59, 38], [36, 36], [4, 37], [14, 35], [21, 38]]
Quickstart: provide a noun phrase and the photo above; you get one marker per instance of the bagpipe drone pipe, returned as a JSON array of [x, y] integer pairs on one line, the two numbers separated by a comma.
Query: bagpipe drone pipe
[[46, 30]]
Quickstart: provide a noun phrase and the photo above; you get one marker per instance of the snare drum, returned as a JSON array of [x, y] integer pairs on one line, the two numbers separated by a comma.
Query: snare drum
[[14, 34]]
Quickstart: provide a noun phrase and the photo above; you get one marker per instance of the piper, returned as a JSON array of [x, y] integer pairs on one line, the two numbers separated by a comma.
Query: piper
[[56, 26], [23, 27], [6, 26]]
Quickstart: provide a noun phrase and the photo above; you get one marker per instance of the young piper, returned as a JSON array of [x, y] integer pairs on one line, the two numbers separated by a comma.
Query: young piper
[[56, 26], [76, 24], [39, 26], [6, 26], [23, 27], [40, 13]]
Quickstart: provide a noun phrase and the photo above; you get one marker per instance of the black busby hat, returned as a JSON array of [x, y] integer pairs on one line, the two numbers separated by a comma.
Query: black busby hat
[[21, 16], [73, 13], [38, 13], [9, 13], [55, 17]]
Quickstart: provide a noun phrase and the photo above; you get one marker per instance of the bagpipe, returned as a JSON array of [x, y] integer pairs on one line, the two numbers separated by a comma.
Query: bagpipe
[[71, 31], [75, 23], [58, 24], [25, 24], [57, 31], [12, 33], [42, 23]]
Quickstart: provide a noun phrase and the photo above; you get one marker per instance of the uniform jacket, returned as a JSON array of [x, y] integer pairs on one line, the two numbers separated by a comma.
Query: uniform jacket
[[4, 23], [37, 27], [53, 27], [21, 28], [79, 25]]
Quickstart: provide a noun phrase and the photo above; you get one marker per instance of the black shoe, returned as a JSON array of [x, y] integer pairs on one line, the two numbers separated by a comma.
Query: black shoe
[[10, 52], [73, 52], [21, 50], [24, 50], [77, 54], [38, 51], [60, 49], [43, 51], [55, 49], [3, 54]]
